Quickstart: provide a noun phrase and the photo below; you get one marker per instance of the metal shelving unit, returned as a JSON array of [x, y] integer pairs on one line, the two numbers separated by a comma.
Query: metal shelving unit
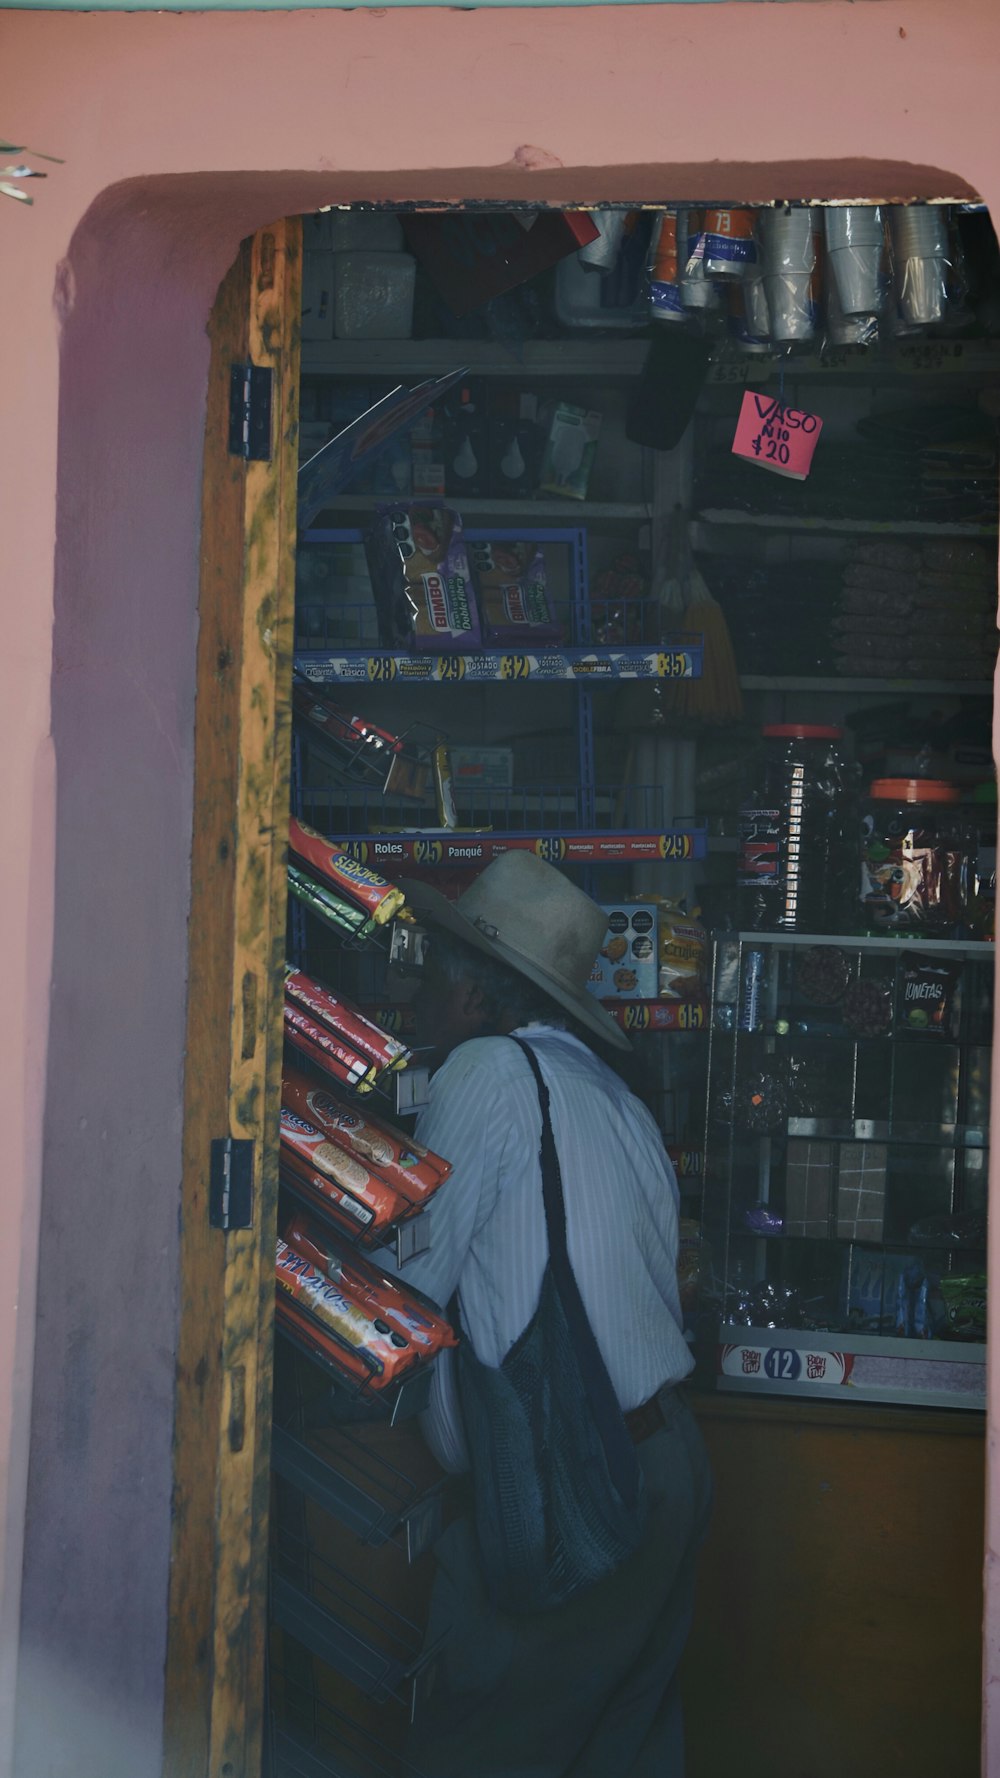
[[826, 1146], [576, 835]]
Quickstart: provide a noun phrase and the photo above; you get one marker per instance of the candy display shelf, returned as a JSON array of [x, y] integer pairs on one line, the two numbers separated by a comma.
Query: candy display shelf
[[544, 663], [386, 851], [658, 1015]]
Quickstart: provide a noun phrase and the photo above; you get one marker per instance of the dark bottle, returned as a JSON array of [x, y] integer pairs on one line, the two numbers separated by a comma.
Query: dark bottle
[[795, 861]]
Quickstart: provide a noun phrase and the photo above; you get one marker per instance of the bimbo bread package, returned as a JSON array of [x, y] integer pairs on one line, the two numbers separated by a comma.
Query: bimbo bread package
[[421, 579], [511, 589]]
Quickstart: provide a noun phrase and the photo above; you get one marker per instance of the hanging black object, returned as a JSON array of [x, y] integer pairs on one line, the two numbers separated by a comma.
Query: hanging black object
[[665, 394]]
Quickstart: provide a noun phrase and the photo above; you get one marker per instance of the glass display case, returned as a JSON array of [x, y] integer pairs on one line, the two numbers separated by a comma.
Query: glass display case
[[845, 1191]]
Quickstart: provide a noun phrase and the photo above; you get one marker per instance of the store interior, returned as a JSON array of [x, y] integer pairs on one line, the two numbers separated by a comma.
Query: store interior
[[661, 542]]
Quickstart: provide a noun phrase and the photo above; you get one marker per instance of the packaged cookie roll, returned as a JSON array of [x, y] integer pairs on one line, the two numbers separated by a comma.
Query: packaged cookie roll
[[344, 1021], [337, 870], [421, 579], [356, 1318], [336, 1184], [406, 1168]]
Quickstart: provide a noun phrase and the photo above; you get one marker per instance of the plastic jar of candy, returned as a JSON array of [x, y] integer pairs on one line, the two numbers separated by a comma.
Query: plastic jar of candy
[[917, 856], [795, 849]]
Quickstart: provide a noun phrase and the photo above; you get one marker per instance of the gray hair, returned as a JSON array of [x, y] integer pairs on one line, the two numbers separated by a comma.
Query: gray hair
[[506, 993]]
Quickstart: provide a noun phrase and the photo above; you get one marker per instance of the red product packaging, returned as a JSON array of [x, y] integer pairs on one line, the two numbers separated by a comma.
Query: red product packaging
[[344, 1020], [380, 900], [353, 732], [470, 258], [414, 1172], [312, 1159], [327, 1052], [358, 1318]]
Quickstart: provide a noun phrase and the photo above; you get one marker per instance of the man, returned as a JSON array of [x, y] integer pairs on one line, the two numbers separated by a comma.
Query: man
[[588, 1690]]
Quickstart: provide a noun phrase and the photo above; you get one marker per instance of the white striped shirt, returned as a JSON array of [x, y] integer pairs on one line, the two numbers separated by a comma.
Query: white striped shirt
[[488, 1236]]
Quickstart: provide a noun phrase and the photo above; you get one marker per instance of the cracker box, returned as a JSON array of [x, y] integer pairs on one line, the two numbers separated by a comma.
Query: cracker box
[[627, 967]]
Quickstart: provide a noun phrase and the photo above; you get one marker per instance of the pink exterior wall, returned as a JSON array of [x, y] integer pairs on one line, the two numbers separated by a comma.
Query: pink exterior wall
[[181, 134]]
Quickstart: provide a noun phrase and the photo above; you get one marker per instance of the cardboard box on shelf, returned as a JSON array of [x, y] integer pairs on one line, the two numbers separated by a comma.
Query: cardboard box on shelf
[[570, 451], [482, 768], [627, 968]]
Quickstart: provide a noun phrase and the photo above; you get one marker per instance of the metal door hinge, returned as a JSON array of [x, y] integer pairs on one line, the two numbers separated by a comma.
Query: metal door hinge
[[250, 412], [230, 1183]]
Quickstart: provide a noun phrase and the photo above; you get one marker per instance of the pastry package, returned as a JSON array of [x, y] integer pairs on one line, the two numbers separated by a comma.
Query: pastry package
[[682, 946], [512, 594], [421, 579], [356, 1319]]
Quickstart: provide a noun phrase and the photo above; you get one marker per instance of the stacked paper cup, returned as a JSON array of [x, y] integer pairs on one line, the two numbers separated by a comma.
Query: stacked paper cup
[[854, 244], [920, 254], [789, 259], [847, 330], [755, 303]]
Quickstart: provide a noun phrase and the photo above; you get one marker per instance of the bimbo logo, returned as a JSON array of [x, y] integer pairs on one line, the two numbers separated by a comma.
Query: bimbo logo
[[437, 601]]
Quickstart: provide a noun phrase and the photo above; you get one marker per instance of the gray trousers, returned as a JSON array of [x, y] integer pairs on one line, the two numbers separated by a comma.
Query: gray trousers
[[586, 1691]]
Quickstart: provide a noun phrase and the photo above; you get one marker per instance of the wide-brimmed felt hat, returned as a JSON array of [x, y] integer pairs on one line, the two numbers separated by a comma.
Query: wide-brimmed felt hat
[[526, 914]]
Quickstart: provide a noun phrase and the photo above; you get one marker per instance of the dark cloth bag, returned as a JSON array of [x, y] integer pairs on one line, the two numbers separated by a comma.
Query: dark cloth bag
[[559, 1496]]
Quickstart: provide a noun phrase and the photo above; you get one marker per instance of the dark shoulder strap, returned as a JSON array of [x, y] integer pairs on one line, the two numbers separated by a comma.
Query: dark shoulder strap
[[618, 1448], [552, 1187]]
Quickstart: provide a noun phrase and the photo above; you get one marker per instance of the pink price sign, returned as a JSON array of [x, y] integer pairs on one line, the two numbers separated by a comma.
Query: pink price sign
[[776, 437]]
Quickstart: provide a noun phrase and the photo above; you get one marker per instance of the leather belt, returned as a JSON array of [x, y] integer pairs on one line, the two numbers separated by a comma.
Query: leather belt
[[643, 1421]]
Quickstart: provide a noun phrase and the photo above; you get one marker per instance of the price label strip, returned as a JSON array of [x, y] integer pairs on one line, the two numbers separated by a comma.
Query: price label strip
[[585, 666], [782, 439], [387, 850], [658, 1015]]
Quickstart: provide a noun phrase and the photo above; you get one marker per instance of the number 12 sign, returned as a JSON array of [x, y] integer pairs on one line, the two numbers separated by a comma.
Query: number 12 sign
[[776, 437]]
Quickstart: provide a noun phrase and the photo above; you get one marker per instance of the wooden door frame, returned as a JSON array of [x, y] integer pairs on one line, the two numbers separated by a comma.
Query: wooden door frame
[[215, 1639]]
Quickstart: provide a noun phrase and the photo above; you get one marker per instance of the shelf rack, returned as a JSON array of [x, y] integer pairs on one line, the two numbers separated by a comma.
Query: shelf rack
[[969, 688], [891, 1127], [617, 511], [584, 356], [400, 359], [581, 663], [821, 526]]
